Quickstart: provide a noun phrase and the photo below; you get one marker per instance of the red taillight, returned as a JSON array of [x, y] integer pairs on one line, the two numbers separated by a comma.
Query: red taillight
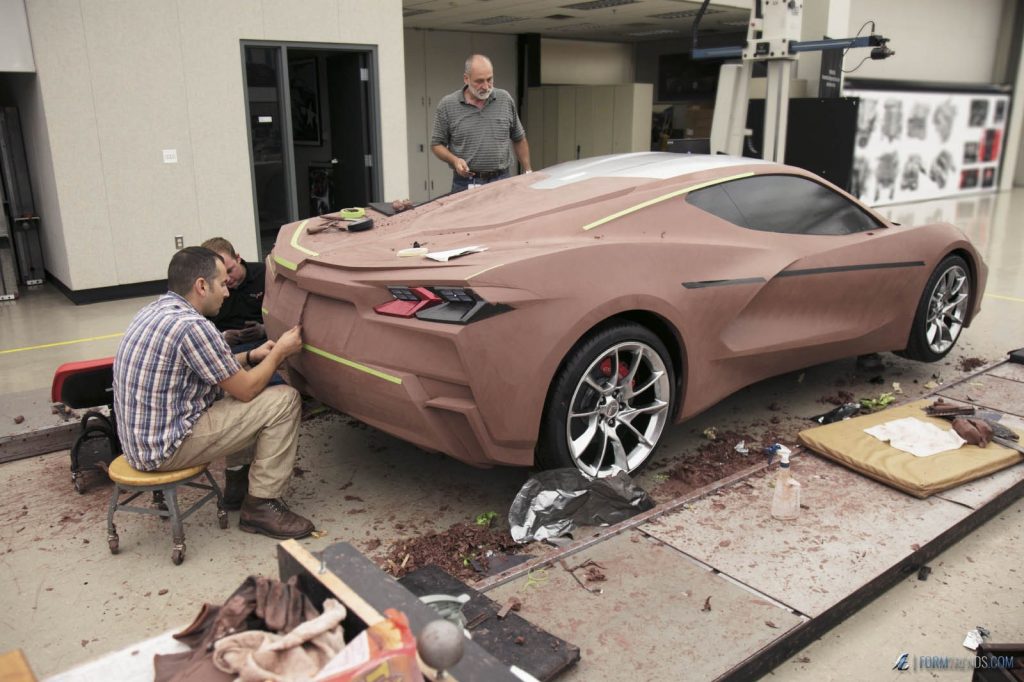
[[408, 301]]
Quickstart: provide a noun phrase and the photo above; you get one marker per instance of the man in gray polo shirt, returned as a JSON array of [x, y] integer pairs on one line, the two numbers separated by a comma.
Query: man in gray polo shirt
[[473, 128]]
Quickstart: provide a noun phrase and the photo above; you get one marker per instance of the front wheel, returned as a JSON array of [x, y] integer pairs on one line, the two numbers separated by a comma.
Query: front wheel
[[942, 311], [609, 403]]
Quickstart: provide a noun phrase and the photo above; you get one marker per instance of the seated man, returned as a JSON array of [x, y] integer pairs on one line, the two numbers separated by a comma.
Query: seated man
[[240, 319], [171, 371]]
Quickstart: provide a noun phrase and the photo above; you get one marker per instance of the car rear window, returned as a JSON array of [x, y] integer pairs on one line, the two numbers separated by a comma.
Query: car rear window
[[783, 203]]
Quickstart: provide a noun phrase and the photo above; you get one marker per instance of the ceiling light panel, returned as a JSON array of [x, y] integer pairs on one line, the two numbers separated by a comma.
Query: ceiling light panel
[[494, 21], [599, 4], [577, 27], [684, 14]]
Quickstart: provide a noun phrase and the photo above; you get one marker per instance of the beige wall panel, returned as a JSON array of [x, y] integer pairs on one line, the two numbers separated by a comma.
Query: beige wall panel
[[121, 81], [307, 20], [533, 119], [82, 227], [417, 116], [603, 120], [579, 62], [139, 88], [549, 126], [215, 103]]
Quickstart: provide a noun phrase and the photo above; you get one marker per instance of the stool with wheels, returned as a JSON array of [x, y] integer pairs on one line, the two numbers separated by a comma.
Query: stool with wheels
[[134, 483]]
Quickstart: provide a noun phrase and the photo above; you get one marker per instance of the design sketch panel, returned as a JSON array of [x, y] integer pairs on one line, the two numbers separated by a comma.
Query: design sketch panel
[[912, 146]]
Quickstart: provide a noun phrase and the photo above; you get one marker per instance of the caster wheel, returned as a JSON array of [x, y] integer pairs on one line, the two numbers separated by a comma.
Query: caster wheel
[[113, 545], [79, 486], [222, 521], [177, 556]]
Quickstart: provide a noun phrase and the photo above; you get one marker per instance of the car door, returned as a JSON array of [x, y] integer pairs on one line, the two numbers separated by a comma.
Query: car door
[[830, 293]]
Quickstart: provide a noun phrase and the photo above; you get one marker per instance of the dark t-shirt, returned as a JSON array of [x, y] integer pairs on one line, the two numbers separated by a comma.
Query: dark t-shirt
[[244, 303]]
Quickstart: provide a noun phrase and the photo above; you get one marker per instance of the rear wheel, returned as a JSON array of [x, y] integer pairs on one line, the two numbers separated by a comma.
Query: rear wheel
[[609, 404], [942, 311]]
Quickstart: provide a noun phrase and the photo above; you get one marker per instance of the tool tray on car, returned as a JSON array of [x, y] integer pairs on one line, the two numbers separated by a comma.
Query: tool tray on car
[[89, 384]]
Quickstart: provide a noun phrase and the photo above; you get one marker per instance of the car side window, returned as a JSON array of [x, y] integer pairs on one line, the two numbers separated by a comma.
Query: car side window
[[783, 203]]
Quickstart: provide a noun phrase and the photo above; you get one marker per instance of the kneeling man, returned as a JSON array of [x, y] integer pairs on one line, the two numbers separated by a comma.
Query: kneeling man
[[171, 373]]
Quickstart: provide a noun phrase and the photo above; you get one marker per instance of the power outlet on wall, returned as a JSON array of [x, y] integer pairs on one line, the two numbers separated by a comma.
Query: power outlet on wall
[[179, 242]]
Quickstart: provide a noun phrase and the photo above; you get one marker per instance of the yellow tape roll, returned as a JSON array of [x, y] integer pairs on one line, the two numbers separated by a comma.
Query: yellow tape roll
[[352, 213]]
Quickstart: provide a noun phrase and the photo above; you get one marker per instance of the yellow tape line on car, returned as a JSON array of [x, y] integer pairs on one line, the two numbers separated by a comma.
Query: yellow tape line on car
[[285, 263], [354, 365], [295, 240], [651, 202]]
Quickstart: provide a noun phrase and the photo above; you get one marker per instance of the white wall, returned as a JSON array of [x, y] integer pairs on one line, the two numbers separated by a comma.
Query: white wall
[[119, 81], [579, 62], [15, 44], [934, 40]]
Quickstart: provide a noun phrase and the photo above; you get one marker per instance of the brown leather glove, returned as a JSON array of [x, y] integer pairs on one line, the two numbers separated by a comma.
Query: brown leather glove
[[974, 431]]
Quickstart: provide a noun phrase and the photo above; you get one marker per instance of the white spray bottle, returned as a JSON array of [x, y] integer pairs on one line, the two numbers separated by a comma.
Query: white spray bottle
[[786, 500]]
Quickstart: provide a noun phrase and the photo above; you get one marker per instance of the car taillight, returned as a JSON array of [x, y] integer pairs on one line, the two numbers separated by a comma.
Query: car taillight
[[450, 305], [407, 301]]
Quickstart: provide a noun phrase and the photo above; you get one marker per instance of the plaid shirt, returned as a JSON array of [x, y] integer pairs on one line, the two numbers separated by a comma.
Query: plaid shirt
[[166, 372]]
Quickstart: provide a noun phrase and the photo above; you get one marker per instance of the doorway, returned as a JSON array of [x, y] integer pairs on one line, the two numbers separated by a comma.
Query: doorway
[[313, 132]]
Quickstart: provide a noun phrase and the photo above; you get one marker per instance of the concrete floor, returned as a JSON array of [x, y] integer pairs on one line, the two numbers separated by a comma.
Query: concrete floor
[[65, 599]]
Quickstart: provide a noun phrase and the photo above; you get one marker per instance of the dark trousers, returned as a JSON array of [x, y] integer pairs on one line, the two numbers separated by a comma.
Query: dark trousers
[[460, 183]]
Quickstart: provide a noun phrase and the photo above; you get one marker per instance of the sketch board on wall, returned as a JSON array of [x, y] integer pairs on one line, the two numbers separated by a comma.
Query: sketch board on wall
[[913, 145]]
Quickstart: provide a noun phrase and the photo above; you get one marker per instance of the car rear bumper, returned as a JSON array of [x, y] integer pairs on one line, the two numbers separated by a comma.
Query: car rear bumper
[[404, 377]]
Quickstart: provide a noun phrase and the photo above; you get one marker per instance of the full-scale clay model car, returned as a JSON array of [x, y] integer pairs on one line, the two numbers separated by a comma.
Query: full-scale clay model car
[[613, 296]]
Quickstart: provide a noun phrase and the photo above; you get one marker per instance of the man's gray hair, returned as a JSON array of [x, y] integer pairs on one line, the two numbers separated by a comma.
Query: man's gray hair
[[469, 62]]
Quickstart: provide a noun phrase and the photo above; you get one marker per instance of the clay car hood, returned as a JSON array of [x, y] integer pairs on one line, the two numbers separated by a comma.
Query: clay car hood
[[528, 214]]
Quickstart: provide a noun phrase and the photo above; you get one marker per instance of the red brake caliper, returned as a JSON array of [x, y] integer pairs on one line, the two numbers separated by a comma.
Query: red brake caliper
[[606, 369]]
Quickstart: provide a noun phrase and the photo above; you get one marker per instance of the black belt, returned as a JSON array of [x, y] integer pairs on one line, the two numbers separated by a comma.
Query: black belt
[[488, 175]]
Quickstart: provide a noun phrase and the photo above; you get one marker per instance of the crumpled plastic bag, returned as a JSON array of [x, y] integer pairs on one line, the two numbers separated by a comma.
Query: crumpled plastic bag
[[551, 503]]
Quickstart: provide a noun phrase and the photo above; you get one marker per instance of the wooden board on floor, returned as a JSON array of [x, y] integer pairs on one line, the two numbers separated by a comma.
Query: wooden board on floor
[[343, 572], [512, 639]]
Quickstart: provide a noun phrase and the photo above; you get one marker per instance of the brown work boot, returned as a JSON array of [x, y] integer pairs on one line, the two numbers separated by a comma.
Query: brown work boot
[[272, 517], [236, 487]]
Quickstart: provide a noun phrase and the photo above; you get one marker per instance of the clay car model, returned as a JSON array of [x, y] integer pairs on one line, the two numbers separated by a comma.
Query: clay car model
[[615, 295]]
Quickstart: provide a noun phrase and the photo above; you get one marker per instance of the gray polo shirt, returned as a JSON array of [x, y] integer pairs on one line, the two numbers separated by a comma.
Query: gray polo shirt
[[480, 136]]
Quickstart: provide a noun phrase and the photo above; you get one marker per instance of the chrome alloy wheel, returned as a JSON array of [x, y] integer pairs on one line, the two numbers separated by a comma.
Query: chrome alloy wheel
[[618, 410], [947, 309]]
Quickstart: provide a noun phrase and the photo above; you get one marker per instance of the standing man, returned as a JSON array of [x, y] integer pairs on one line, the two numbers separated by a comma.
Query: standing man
[[473, 127], [240, 318], [171, 372]]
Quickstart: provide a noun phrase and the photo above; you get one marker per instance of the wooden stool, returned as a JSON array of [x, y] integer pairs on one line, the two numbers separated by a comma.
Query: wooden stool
[[128, 480]]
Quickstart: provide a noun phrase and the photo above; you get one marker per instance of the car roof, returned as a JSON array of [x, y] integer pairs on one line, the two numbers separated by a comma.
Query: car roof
[[652, 165]]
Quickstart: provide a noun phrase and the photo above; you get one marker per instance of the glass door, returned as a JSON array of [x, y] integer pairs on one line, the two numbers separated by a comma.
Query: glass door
[[271, 159]]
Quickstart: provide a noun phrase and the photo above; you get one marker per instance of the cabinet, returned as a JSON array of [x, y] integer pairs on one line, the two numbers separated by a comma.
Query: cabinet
[[567, 122]]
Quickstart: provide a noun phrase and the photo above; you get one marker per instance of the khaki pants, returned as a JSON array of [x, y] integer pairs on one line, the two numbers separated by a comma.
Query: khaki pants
[[230, 428]]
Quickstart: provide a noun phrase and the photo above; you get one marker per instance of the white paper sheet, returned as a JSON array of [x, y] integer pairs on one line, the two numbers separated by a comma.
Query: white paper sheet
[[919, 438], [444, 256]]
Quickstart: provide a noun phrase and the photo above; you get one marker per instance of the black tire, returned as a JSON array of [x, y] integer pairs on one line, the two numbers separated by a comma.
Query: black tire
[[919, 346], [553, 447], [177, 556]]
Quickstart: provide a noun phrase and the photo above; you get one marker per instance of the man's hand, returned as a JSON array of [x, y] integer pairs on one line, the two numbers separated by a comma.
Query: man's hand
[[461, 167], [259, 353], [290, 342], [233, 337], [253, 331]]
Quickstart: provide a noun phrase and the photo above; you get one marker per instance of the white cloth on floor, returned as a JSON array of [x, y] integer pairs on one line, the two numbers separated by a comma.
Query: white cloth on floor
[[919, 438]]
